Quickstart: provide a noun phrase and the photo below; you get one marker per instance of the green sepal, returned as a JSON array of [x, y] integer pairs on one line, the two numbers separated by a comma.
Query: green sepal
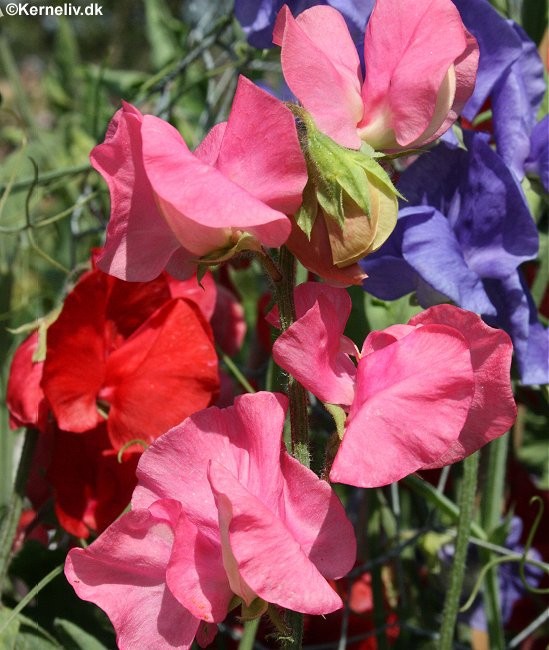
[[254, 610], [340, 174], [245, 242], [339, 416], [306, 215], [40, 324]]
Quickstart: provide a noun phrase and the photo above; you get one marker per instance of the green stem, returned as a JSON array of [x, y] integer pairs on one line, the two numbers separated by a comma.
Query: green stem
[[283, 279], [14, 508], [491, 502], [466, 504], [299, 419], [442, 503], [44, 178], [248, 636], [235, 371], [375, 549], [294, 621], [32, 593]]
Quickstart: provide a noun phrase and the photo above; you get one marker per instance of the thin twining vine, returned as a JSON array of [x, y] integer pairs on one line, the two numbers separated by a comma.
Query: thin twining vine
[[521, 558]]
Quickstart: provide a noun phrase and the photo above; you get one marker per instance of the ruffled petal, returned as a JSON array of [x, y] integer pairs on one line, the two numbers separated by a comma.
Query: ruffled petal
[[323, 369], [413, 398], [139, 243], [123, 573], [164, 372], [268, 558], [322, 68], [493, 408]]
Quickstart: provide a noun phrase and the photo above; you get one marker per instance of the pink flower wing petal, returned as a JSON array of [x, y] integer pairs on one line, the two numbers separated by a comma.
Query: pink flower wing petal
[[322, 68], [139, 243], [244, 438], [465, 70], [408, 49], [268, 558], [321, 368], [382, 338], [274, 172], [493, 409], [123, 572], [413, 398], [200, 203], [305, 296], [196, 575], [208, 150], [314, 515]]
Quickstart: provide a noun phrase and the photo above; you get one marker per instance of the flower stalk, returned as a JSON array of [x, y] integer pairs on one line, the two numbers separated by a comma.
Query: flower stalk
[[466, 502]]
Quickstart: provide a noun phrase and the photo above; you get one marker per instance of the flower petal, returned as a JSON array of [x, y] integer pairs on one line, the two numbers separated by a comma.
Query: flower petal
[[317, 520], [268, 557], [74, 368], [196, 575], [164, 372], [24, 396], [123, 572], [413, 398], [322, 68], [324, 370], [139, 243], [493, 408], [245, 438], [274, 172], [198, 201], [408, 49]]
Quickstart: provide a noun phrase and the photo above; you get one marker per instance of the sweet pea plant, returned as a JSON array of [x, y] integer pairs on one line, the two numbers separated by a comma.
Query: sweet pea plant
[[277, 394]]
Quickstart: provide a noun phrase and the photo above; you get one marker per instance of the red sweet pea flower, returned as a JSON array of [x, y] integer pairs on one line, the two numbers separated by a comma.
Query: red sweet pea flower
[[125, 361], [131, 352]]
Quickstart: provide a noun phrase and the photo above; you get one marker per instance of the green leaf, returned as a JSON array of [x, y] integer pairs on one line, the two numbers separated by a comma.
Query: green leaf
[[74, 637]]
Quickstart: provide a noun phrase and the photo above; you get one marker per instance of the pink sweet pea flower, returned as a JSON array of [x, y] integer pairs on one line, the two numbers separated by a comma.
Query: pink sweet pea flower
[[220, 509], [422, 395], [170, 207], [420, 70]]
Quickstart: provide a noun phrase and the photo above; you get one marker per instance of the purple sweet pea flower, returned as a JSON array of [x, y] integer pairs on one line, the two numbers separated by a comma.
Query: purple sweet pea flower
[[510, 77], [537, 163], [462, 238], [499, 44], [257, 17]]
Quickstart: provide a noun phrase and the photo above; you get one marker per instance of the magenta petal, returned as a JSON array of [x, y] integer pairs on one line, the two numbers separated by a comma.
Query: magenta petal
[[413, 398], [493, 408], [268, 558], [322, 368], [305, 296], [139, 243], [208, 150], [196, 575], [274, 172], [409, 47], [465, 70], [322, 68], [317, 520], [245, 438], [200, 204], [123, 572]]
